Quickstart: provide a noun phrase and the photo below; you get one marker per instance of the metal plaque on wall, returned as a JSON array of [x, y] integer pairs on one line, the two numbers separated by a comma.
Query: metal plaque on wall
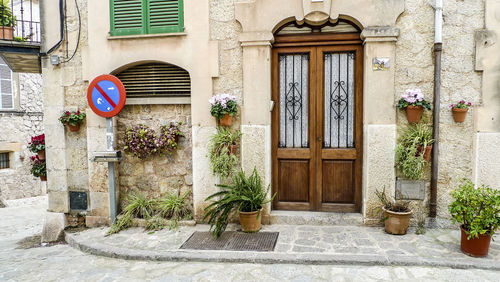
[[78, 201], [410, 189]]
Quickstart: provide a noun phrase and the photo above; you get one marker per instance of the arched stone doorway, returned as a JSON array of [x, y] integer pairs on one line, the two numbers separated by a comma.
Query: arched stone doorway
[[317, 121]]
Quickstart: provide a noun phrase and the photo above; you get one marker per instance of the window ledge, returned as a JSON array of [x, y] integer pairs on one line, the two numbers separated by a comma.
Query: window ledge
[[143, 36], [159, 101]]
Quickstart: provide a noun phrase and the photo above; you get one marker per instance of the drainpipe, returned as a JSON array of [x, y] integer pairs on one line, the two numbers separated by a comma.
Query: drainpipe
[[438, 48]]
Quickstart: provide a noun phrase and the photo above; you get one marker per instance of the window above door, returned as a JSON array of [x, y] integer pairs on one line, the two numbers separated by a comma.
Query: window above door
[[138, 17]]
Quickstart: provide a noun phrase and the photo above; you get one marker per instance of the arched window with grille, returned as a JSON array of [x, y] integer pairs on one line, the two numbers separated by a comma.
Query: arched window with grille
[[156, 83]]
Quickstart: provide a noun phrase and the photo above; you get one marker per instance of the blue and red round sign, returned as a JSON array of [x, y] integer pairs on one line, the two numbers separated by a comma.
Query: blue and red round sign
[[106, 95]]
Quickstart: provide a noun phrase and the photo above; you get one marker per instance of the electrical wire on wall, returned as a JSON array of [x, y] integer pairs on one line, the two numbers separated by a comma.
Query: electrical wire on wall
[[78, 37]]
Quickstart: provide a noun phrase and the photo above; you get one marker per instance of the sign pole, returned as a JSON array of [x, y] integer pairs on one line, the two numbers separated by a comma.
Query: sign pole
[[111, 170]]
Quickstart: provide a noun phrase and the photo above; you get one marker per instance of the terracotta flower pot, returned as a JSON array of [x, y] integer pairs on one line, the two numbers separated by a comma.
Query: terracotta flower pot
[[6, 33], [43, 178], [227, 120], [427, 153], [396, 222], [475, 247], [251, 221], [73, 128], [414, 113], [41, 154], [459, 114], [232, 149]]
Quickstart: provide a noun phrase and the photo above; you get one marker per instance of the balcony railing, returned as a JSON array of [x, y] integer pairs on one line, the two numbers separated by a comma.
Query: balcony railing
[[20, 21]]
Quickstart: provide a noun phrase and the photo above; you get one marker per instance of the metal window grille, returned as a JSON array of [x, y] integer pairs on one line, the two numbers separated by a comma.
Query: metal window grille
[[156, 80], [4, 161], [25, 17], [6, 93]]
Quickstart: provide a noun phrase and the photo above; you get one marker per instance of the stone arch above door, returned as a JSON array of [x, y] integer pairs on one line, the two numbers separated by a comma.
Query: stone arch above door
[[264, 15]]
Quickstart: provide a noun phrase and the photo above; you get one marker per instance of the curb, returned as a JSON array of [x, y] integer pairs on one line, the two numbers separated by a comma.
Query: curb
[[274, 258]]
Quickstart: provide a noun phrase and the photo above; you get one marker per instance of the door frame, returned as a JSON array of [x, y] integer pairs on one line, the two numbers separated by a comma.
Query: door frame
[[296, 43]]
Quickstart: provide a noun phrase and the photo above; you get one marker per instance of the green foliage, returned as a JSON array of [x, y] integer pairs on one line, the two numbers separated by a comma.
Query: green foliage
[[223, 104], [476, 209], [154, 211], [411, 148], [6, 17], [38, 167], [245, 194], [72, 118], [222, 160]]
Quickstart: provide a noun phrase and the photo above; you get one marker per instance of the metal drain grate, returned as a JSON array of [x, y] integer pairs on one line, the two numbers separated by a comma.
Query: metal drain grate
[[232, 241]]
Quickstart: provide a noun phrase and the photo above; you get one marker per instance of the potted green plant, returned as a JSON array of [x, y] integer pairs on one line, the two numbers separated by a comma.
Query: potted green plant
[[460, 110], [413, 150], [222, 149], [396, 214], [7, 21], [414, 103], [38, 168], [72, 119], [478, 212], [224, 107], [37, 146], [246, 196]]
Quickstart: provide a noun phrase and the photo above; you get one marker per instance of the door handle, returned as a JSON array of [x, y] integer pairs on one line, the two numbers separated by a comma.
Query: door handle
[[319, 138]]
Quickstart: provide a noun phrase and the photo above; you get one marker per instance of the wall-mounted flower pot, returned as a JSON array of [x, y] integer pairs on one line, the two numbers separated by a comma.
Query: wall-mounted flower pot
[[414, 113], [41, 154], [232, 149], [251, 221], [396, 222], [6, 32], [43, 178], [227, 120], [476, 247], [427, 152], [73, 128], [459, 115]]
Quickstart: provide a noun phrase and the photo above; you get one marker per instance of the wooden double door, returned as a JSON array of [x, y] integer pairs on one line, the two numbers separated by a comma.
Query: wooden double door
[[317, 127]]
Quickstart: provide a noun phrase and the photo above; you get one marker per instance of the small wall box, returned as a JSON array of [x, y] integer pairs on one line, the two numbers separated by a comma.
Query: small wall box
[[107, 157], [410, 189]]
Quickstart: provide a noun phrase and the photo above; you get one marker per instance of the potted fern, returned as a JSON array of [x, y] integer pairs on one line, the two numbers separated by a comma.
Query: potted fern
[[246, 196], [414, 150], [222, 149], [478, 212]]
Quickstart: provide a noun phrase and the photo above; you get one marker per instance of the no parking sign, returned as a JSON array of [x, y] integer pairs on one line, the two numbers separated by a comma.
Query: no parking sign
[[106, 95]]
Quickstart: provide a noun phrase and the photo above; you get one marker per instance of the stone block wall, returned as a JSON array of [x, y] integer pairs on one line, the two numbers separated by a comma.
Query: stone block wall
[[17, 127], [158, 175]]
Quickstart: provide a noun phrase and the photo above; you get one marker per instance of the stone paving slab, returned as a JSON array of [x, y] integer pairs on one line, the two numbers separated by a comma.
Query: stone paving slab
[[325, 245]]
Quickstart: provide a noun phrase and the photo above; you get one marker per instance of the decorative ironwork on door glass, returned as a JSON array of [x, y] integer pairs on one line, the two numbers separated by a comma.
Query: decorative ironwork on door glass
[[339, 100], [294, 93]]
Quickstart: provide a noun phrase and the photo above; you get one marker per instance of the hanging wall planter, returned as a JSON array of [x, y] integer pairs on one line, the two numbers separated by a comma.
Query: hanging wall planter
[[37, 146], [426, 152], [460, 110], [41, 155], [72, 119], [43, 177], [224, 107], [414, 103], [73, 128]]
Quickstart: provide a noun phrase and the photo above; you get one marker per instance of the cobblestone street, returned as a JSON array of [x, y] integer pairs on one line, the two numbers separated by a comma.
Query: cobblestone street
[[63, 263]]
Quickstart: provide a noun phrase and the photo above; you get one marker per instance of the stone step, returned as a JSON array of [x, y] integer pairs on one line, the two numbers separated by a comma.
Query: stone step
[[315, 218]]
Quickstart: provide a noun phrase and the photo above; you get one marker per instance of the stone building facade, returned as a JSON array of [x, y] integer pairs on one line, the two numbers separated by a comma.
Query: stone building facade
[[18, 124], [227, 47]]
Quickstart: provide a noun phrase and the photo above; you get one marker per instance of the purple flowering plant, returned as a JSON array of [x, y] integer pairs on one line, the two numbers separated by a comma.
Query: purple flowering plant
[[141, 141], [413, 97], [462, 104], [223, 104]]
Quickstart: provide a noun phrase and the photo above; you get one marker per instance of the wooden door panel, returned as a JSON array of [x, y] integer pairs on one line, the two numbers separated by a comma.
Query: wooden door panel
[[294, 181], [338, 184]]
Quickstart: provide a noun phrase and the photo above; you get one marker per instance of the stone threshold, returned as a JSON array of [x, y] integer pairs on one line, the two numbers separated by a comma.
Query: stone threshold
[[99, 249], [315, 218]]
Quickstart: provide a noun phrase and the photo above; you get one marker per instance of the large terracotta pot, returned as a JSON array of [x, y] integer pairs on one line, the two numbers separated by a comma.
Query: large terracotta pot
[[251, 221], [6, 33], [227, 120], [414, 113], [427, 153], [41, 154], [73, 128], [396, 222], [459, 114], [475, 247], [43, 178]]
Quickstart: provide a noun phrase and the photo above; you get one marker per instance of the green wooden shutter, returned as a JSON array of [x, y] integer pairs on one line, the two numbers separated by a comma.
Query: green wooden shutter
[[127, 17], [165, 16]]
